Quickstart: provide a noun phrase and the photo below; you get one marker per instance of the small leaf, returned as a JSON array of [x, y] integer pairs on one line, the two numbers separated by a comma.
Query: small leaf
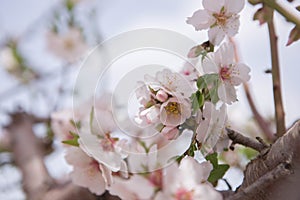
[[263, 15], [74, 141], [213, 158], [217, 173], [294, 35], [218, 170]]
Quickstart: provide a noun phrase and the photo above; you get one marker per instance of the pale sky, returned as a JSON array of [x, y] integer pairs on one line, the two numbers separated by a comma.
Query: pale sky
[[118, 16]]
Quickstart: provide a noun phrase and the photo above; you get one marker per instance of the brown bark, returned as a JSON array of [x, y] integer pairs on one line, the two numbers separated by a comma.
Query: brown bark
[[275, 173]]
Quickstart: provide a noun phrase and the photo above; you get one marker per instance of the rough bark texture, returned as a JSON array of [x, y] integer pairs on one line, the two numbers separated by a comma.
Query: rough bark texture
[[282, 157]]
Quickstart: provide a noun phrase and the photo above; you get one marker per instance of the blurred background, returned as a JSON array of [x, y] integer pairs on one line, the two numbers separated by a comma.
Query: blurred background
[[42, 43]]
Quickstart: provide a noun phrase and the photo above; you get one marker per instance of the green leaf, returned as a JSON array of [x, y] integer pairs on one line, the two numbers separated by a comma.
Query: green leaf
[[218, 170], [217, 173], [213, 158], [74, 141]]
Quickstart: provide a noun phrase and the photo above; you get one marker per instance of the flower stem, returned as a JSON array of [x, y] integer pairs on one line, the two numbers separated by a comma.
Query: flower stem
[[287, 13], [279, 111]]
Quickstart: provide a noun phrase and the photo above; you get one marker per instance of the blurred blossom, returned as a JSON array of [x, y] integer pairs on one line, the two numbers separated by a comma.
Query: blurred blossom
[[86, 171], [69, 46]]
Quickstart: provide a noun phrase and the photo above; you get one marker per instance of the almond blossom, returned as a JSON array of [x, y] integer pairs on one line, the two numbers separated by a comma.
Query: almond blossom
[[187, 181], [220, 17], [211, 125], [231, 74], [165, 101], [68, 46], [86, 171]]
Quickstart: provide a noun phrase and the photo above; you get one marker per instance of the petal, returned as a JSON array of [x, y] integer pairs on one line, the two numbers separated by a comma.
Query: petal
[[226, 53], [207, 192], [216, 35], [227, 93], [232, 26], [234, 6], [200, 20], [209, 65], [197, 172], [213, 5]]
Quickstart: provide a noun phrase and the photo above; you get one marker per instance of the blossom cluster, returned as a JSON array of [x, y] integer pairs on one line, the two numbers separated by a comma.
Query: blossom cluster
[[183, 115]]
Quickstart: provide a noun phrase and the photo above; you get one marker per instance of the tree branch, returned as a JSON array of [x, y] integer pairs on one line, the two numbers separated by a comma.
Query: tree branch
[[280, 171], [279, 111], [282, 158], [238, 138]]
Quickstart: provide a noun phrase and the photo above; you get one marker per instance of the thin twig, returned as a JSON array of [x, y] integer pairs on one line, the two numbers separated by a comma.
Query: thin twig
[[238, 138], [262, 123], [281, 170], [279, 111]]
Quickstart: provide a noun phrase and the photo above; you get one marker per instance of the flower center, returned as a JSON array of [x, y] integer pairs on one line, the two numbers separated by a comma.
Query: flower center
[[221, 17], [225, 73], [107, 143], [69, 44], [173, 108], [183, 194]]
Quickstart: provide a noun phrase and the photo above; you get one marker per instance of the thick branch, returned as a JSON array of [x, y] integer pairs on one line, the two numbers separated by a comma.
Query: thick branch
[[284, 153], [280, 171], [27, 156], [279, 111], [238, 138]]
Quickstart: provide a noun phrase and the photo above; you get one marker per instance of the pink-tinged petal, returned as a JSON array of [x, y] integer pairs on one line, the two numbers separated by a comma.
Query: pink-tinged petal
[[90, 178], [137, 187], [167, 153], [227, 93], [213, 5], [226, 53], [91, 145], [106, 174], [216, 35], [232, 26], [200, 20], [199, 171], [240, 74], [207, 192], [209, 65], [170, 132], [234, 6]]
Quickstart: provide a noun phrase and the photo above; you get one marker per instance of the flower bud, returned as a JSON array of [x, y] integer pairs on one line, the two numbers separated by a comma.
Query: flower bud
[[161, 96]]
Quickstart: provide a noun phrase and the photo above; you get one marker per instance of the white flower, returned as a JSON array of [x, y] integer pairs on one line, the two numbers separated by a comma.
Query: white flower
[[103, 148], [187, 181], [95, 139], [70, 46], [86, 171], [220, 16], [171, 82], [175, 111], [230, 73], [135, 188], [211, 125]]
